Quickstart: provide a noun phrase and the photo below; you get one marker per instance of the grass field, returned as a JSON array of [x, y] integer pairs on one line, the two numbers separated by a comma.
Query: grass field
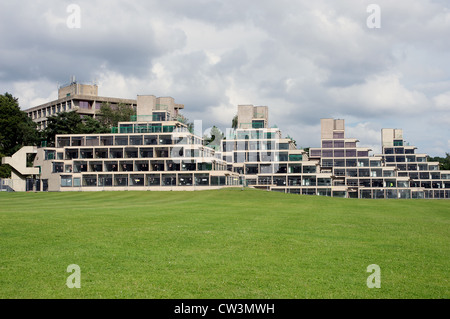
[[221, 244]]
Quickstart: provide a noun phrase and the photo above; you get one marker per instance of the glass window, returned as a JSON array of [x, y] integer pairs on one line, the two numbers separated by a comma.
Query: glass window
[[327, 144], [66, 181], [339, 153], [350, 153], [339, 144]]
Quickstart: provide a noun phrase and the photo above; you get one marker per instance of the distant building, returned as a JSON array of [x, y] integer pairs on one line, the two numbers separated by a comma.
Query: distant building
[[82, 98]]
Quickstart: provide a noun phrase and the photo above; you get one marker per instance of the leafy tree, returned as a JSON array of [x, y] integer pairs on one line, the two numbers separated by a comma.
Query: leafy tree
[[71, 123], [16, 130], [92, 126], [183, 119], [110, 116], [234, 122], [444, 162]]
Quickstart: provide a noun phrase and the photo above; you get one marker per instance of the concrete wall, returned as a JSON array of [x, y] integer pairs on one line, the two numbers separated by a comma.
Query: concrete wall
[[145, 105], [78, 89], [328, 126], [245, 115]]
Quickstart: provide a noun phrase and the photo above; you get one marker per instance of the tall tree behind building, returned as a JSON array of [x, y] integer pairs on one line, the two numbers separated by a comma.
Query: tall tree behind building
[[16, 130]]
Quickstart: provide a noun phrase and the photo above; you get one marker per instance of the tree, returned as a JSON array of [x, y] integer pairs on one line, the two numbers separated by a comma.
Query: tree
[[444, 162], [16, 130], [110, 116], [71, 123], [61, 123], [92, 126], [234, 122], [183, 119]]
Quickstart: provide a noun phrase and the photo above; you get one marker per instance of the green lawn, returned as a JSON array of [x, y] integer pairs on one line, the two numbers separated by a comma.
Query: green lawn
[[221, 244]]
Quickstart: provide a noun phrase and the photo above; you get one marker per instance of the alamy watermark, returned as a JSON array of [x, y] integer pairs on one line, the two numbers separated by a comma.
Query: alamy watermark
[[374, 280], [74, 280], [374, 19], [74, 19]]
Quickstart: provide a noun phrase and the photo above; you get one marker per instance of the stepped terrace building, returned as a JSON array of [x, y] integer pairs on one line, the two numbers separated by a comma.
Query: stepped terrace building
[[154, 151], [268, 161], [396, 173], [339, 168]]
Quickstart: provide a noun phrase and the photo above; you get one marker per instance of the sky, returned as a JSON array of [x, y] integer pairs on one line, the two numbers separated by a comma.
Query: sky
[[376, 64]]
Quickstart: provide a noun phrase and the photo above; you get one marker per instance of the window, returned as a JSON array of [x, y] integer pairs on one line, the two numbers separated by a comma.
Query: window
[[375, 163], [339, 153], [77, 182], [105, 180], [121, 140], [295, 157], [49, 155], [66, 181], [350, 153], [283, 157], [327, 153], [327, 144], [258, 124], [315, 153], [363, 153], [136, 140], [58, 167], [339, 144], [89, 180], [309, 169], [338, 134]]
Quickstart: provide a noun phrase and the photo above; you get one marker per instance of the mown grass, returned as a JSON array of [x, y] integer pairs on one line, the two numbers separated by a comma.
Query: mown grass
[[221, 244]]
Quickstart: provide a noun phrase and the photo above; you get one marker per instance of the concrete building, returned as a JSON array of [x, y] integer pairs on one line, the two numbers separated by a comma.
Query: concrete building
[[22, 177], [396, 173], [155, 151], [82, 98]]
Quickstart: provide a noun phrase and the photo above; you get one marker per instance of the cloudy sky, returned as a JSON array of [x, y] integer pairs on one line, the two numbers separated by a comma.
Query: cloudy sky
[[306, 60]]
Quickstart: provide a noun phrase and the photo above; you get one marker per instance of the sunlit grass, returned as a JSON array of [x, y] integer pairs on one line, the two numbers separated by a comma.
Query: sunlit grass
[[221, 244]]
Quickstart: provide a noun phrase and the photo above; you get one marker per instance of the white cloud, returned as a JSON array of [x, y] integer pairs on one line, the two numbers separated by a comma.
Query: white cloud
[[442, 101], [382, 95]]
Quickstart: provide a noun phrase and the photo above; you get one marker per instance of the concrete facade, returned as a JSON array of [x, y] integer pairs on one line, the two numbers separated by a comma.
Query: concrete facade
[[82, 98], [155, 151]]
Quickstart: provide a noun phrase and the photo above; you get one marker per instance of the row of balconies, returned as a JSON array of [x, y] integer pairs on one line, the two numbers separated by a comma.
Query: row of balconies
[[134, 166], [124, 180], [117, 153], [125, 140]]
